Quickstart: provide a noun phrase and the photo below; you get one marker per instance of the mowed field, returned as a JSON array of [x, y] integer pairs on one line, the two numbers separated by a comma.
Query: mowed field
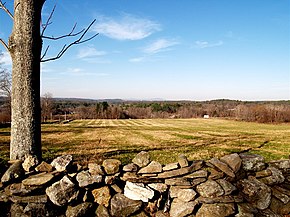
[[93, 140]]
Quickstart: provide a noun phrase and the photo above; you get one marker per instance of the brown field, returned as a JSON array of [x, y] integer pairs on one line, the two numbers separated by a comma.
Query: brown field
[[92, 140]]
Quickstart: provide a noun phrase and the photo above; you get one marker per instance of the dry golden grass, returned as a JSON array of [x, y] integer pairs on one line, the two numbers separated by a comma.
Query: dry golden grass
[[92, 140]]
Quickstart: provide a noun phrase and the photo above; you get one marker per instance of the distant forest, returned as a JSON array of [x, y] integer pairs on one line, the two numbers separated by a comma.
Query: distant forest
[[59, 109]]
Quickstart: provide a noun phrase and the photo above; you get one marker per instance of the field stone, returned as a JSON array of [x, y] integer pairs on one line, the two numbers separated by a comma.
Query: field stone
[[111, 166], [252, 162], [121, 206], [102, 211], [95, 169], [186, 195], [280, 196], [283, 165], [102, 195], [197, 174], [255, 192], [79, 210], [276, 177], [62, 163], [210, 189], [160, 187], [152, 167], [130, 168], [36, 209], [180, 208], [38, 179], [227, 186], [84, 178], [171, 166], [44, 167], [182, 160], [14, 172], [142, 159], [233, 161], [62, 192], [246, 210], [222, 166], [216, 210], [29, 163], [137, 191], [280, 208], [214, 174], [19, 189]]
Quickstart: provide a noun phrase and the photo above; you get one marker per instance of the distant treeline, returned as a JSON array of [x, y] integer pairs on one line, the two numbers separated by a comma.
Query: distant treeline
[[263, 112]]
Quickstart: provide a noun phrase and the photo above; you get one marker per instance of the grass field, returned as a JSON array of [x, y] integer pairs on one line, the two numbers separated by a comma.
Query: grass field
[[92, 140]]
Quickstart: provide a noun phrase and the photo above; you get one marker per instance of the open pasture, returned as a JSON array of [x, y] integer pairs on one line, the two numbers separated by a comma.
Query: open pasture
[[92, 140]]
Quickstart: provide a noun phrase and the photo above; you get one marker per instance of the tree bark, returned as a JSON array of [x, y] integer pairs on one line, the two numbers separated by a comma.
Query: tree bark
[[25, 48]]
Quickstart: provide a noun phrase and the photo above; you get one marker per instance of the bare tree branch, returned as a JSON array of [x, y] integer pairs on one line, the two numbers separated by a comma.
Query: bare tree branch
[[2, 5], [48, 21], [4, 44], [71, 34], [78, 41]]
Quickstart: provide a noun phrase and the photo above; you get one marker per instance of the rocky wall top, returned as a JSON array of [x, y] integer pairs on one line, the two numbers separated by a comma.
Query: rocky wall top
[[240, 185]]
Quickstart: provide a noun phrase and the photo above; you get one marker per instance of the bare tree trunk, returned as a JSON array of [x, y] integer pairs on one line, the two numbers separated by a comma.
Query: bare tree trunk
[[25, 48]]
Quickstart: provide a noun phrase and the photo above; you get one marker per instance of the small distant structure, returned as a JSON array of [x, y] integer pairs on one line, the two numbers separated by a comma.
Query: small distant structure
[[206, 116]]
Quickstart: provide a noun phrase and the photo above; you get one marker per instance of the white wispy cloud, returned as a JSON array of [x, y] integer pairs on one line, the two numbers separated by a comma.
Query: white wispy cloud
[[160, 45], [90, 52], [5, 59], [126, 27], [206, 44]]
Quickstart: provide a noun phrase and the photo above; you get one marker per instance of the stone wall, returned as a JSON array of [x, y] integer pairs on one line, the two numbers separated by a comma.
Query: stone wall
[[240, 185]]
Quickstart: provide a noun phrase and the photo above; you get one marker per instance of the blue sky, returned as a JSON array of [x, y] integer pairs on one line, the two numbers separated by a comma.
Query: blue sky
[[170, 49]]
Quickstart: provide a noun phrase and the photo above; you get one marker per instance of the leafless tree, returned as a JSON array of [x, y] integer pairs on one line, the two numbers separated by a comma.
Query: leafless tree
[[25, 48]]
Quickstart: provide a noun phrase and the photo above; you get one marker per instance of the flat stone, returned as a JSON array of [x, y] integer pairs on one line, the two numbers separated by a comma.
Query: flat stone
[[44, 167], [20, 189], [102, 211], [62, 163], [182, 161], [255, 192], [180, 208], [29, 199], [221, 199], [280, 208], [233, 161], [14, 172], [171, 166], [84, 178], [121, 206], [210, 189], [263, 173], [142, 159], [197, 174], [29, 163], [214, 174], [160, 187], [216, 210], [246, 210], [282, 190], [133, 177], [182, 171], [102, 195], [130, 167], [280, 196], [160, 213], [36, 209], [223, 167], [153, 167], [62, 192], [109, 180], [111, 166], [138, 191], [227, 186], [178, 181], [186, 195], [283, 165], [38, 179], [276, 177], [195, 182], [252, 162], [79, 210], [95, 169], [268, 213]]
